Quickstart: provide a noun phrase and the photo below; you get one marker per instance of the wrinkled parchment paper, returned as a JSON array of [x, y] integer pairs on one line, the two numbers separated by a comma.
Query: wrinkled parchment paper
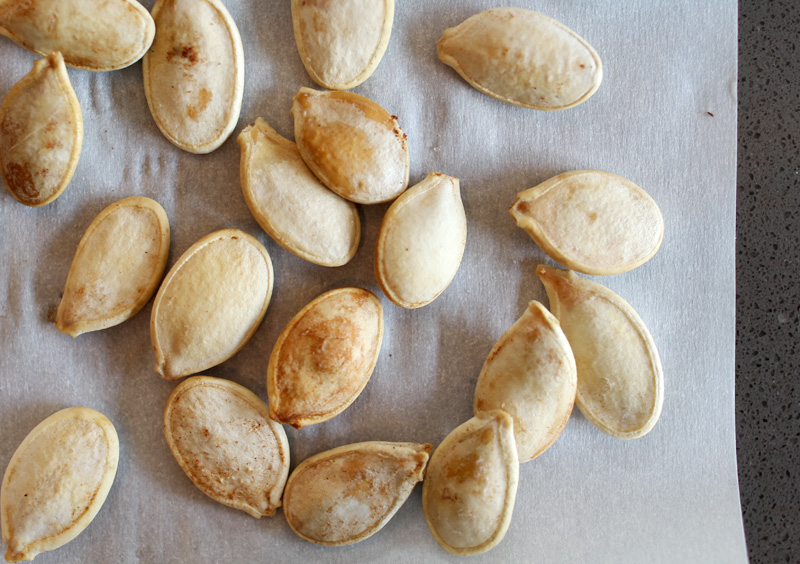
[[669, 497]]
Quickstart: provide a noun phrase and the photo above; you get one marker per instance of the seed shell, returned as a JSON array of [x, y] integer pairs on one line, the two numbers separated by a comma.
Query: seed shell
[[523, 58], [290, 204], [57, 481], [210, 303], [591, 221], [347, 494], [341, 43], [324, 357], [620, 379], [194, 73], [222, 437], [41, 133]]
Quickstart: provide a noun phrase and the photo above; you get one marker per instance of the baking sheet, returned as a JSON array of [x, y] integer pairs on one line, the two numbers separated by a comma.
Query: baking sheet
[[671, 496]]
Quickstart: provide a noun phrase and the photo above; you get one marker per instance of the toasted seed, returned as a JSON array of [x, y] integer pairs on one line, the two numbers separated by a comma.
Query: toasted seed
[[341, 43], [530, 374], [57, 481], [352, 144], [523, 58], [471, 484], [117, 267], [96, 35], [324, 357], [421, 242], [210, 303], [221, 435], [347, 494], [41, 132], [591, 221], [194, 73], [290, 204], [620, 380]]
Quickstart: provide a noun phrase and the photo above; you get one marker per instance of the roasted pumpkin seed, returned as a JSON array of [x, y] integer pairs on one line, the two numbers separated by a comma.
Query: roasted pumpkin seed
[[471, 484], [620, 379], [221, 435], [530, 374], [591, 221], [41, 132], [523, 58], [290, 204], [194, 73], [57, 481], [341, 43], [210, 303], [96, 35], [421, 242], [353, 145], [117, 267], [324, 357], [345, 495]]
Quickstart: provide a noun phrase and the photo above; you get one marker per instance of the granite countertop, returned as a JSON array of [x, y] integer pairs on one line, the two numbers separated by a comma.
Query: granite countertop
[[768, 272]]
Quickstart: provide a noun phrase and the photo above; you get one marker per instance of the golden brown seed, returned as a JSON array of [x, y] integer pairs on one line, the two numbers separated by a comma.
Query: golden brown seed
[[348, 494], [117, 267], [41, 132], [353, 145], [523, 58], [620, 379], [97, 35], [194, 73], [221, 435], [324, 357], [57, 481]]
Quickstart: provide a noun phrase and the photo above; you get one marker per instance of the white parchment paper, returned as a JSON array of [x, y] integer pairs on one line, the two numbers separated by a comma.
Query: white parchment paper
[[669, 497]]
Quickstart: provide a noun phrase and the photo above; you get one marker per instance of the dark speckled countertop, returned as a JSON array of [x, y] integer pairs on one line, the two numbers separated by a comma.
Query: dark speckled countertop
[[768, 277]]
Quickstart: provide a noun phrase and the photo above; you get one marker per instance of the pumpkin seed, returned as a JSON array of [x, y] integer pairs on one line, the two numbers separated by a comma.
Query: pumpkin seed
[[210, 303], [530, 374], [290, 204], [523, 58], [117, 267], [352, 144], [471, 484], [96, 35], [194, 73], [341, 43], [345, 495], [324, 357], [620, 379], [41, 132], [57, 481], [591, 221], [421, 242], [221, 435]]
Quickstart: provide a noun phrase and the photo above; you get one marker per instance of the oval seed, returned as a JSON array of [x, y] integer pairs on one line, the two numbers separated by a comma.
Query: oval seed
[[41, 132], [96, 35], [531, 375], [290, 204], [523, 58], [324, 357], [341, 43], [117, 267], [591, 221], [221, 435], [352, 144], [345, 495], [421, 242], [210, 303], [471, 484], [57, 481], [194, 73], [620, 380]]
